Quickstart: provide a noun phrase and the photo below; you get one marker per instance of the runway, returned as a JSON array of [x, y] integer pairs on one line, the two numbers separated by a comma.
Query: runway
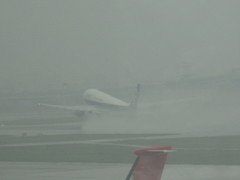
[[64, 148], [105, 171]]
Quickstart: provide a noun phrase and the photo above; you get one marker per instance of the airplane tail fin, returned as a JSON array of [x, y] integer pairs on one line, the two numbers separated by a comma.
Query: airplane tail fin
[[134, 102], [149, 163]]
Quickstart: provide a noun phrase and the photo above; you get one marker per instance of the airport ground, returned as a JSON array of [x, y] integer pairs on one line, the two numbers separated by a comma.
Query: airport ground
[[109, 156], [46, 145], [117, 148], [65, 139]]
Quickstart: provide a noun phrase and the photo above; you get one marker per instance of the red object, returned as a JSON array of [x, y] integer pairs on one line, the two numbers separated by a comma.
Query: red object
[[150, 163]]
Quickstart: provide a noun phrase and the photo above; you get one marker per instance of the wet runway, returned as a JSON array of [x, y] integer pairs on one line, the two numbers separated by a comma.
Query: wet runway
[[64, 148], [60, 123]]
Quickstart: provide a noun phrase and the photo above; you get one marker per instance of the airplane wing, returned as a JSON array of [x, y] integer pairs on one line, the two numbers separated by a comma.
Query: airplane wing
[[88, 109]]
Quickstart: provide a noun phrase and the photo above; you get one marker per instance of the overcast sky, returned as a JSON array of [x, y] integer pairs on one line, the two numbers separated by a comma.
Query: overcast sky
[[46, 43]]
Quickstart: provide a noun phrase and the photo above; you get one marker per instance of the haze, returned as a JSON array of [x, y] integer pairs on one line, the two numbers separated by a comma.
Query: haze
[[45, 44], [184, 53]]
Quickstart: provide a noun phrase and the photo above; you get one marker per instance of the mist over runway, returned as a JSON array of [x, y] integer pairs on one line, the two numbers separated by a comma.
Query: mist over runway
[[59, 146], [144, 122]]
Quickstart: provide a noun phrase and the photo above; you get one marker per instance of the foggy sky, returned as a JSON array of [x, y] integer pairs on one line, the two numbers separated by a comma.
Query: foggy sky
[[46, 43]]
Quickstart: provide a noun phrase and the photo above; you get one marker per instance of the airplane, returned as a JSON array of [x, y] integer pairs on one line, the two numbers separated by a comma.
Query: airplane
[[149, 163], [98, 101]]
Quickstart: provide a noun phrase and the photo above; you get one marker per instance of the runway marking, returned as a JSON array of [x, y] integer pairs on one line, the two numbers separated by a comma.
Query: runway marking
[[111, 142], [94, 141]]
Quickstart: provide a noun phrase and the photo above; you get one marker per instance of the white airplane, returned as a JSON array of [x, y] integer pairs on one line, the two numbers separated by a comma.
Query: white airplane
[[98, 101], [149, 163]]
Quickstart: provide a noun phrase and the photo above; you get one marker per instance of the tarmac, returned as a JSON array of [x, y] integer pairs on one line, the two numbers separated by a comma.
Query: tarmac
[[62, 148]]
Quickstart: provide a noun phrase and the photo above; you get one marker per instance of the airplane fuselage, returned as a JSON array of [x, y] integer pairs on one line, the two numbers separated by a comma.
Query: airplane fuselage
[[102, 100], [97, 101]]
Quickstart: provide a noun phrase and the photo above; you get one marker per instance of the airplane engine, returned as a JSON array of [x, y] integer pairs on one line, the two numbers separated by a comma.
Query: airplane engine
[[81, 114], [84, 114]]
